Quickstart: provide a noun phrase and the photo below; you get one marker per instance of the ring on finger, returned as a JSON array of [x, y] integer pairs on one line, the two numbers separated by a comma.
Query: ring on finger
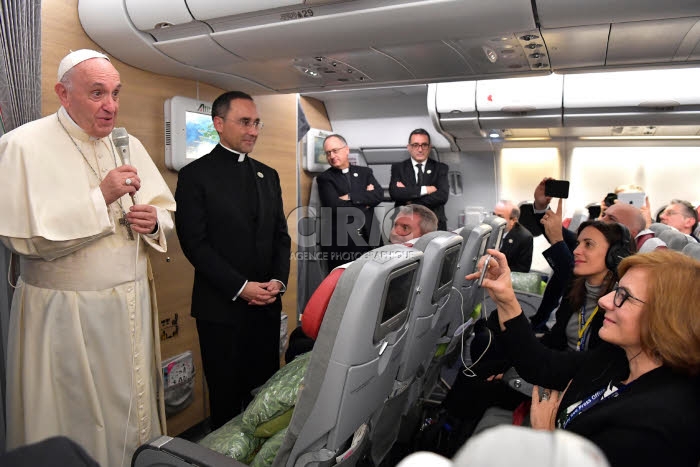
[[545, 396], [127, 182]]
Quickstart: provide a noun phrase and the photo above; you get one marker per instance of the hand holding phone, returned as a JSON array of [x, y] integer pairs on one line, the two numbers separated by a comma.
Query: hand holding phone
[[635, 199], [484, 268], [556, 188]]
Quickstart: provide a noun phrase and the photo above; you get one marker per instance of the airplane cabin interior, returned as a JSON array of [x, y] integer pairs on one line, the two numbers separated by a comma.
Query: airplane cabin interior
[[598, 93]]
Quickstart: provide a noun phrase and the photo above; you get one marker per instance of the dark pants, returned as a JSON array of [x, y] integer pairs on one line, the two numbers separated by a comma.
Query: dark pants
[[237, 358]]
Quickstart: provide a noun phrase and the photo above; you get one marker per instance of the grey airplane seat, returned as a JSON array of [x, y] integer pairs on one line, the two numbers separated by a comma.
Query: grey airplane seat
[[355, 359], [658, 227], [456, 322], [579, 217], [441, 253], [498, 226], [675, 240], [350, 374], [460, 316], [692, 249]]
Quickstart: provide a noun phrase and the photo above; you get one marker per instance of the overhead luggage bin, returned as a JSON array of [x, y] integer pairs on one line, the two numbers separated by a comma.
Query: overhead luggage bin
[[529, 102], [658, 97], [453, 108], [292, 46]]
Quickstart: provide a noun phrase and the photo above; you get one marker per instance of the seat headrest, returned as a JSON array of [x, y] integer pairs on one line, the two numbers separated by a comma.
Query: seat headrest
[[676, 240], [316, 306], [692, 249], [651, 245], [658, 227]]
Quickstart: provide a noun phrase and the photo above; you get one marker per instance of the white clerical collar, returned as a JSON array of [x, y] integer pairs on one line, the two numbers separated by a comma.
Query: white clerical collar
[[241, 157], [73, 128], [345, 170]]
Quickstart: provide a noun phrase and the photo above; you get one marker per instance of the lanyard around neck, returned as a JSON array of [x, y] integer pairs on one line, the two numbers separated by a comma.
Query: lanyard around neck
[[592, 400], [582, 328]]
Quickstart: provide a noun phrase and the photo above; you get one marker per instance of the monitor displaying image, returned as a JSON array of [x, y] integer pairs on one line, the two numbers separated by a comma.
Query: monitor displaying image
[[189, 131], [200, 135], [315, 159]]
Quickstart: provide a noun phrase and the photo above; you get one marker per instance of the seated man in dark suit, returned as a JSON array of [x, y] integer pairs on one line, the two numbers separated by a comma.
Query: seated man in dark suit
[[420, 180], [351, 193], [517, 240]]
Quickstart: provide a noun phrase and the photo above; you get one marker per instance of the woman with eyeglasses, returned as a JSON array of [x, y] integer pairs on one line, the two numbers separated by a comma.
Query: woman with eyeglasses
[[593, 263], [636, 395]]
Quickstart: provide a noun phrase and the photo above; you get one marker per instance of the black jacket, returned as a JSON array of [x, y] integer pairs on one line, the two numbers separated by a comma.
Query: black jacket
[[217, 235], [655, 421], [333, 183], [561, 259], [517, 246], [435, 174]]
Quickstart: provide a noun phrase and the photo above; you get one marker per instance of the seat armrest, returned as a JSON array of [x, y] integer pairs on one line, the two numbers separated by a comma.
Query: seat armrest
[[177, 451]]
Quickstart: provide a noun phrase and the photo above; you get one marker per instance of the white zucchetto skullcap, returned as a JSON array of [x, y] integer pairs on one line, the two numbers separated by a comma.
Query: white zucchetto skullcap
[[517, 445], [74, 58]]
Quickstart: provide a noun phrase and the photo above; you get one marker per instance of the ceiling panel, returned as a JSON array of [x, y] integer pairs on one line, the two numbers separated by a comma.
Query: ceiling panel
[[200, 51], [380, 26], [430, 60], [647, 41], [509, 54], [378, 66], [577, 47], [564, 13]]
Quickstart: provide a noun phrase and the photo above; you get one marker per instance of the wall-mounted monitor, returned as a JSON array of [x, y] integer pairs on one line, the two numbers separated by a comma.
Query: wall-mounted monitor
[[314, 159], [189, 131]]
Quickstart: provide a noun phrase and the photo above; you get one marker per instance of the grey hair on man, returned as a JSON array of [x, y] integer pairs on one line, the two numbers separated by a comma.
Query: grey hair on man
[[429, 220]]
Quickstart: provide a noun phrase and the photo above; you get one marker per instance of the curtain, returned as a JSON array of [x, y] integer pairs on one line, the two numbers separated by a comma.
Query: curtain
[[20, 102]]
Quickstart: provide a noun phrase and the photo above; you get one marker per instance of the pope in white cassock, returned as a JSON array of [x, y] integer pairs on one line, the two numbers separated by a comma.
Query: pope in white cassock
[[83, 357]]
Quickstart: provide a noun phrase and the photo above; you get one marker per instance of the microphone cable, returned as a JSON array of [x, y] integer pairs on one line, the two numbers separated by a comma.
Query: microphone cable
[[132, 332]]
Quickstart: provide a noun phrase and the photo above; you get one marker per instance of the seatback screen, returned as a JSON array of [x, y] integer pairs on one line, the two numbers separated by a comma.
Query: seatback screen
[[398, 295]]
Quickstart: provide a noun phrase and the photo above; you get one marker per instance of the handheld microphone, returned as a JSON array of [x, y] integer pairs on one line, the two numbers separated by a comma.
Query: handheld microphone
[[120, 138]]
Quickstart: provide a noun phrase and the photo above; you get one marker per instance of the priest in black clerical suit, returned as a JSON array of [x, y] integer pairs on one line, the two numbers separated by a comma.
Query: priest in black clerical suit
[[419, 179], [517, 243], [232, 228], [351, 192]]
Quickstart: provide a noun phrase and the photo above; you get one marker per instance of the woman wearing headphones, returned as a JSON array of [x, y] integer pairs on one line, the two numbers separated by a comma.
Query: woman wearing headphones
[[637, 394], [601, 246]]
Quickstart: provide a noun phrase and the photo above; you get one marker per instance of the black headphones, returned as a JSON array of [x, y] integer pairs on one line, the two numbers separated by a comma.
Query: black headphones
[[619, 250]]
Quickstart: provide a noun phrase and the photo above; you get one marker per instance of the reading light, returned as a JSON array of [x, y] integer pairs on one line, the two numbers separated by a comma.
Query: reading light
[[490, 54], [308, 71]]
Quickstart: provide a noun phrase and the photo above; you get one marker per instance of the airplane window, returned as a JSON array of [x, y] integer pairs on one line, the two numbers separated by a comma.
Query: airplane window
[[455, 179]]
